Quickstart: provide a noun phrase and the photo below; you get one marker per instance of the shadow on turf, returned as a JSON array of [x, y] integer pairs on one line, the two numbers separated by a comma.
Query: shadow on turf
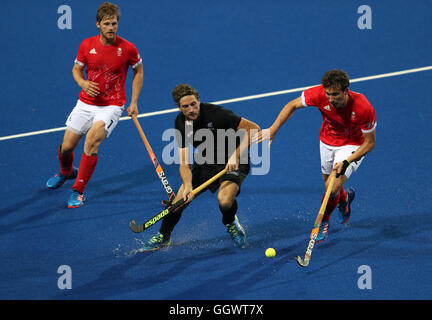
[[158, 268], [37, 196], [42, 198], [139, 275], [155, 271], [128, 181], [400, 227]]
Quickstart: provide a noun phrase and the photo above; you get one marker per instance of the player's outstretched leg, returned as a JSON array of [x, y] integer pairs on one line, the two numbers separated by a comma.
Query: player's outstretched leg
[[58, 179], [76, 199], [85, 171], [66, 157], [325, 224], [323, 231], [237, 233], [345, 207], [162, 239], [228, 207], [158, 241]]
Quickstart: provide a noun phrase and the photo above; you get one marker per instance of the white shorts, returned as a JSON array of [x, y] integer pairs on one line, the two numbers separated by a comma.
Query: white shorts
[[84, 115], [331, 155]]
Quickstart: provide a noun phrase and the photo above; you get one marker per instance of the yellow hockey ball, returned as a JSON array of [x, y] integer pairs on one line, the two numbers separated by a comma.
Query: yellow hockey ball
[[270, 253]]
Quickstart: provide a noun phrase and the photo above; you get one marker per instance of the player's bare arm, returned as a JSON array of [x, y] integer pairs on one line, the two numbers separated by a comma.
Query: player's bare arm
[[186, 174], [89, 87], [285, 114], [137, 83], [367, 146], [250, 128]]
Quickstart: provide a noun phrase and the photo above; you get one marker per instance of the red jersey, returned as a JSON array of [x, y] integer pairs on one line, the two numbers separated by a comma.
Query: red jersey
[[343, 126], [108, 66]]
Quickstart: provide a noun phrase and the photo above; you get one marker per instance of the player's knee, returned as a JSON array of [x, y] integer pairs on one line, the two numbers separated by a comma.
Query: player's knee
[[334, 194], [225, 201], [94, 139], [91, 144], [335, 191], [91, 147], [227, 204], [227, 194]]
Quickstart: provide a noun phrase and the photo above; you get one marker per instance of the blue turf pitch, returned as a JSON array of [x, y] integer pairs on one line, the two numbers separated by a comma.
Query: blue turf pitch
[[226, 49]]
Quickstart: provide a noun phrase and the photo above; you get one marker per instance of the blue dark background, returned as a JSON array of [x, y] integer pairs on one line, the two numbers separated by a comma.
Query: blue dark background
[[226, 49]]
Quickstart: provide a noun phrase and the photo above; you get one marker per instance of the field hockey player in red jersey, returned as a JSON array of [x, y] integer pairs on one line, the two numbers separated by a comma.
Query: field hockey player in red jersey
[[347, 135], [106, 58]]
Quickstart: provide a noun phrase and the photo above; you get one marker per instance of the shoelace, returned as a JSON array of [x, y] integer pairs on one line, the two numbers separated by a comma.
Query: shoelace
[[325, 228], [156, 239], [233, 230], [79, 196]]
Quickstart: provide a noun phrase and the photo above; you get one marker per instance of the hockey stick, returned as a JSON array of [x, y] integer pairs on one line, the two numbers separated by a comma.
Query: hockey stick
[[160, 173], [163, 213], [305, 262]]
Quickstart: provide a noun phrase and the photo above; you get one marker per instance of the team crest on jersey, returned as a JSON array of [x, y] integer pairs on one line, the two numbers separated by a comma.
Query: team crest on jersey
[[210, 126], [93, 51], [119, 52]]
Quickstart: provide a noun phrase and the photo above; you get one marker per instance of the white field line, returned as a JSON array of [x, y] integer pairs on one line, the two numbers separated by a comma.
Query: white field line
[[256, 96]]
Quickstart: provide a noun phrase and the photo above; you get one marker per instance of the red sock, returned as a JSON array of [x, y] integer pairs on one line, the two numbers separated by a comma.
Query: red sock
[[85, 171], [343, 195], [66, 161], [331, 205]]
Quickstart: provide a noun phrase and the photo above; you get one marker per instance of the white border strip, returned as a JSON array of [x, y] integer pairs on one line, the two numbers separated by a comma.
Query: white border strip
[[257, 96]]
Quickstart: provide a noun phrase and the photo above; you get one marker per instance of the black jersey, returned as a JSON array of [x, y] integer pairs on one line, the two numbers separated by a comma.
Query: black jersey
[[214, 134]]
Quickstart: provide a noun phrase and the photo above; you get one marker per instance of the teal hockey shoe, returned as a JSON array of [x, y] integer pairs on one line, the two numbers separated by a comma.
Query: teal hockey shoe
[[237, 233], [58, 179], [345, 208], [76, 199], [323, 231], [156, 242]]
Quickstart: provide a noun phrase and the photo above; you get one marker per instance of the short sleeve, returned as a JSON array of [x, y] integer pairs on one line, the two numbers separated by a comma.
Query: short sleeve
[[233, 120], [369, 120], [81, 57], [134, 57], [311, 96], [226, 118]]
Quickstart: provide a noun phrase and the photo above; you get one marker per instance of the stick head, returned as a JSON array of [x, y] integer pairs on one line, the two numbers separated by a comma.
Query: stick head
[[135, 228], [301, 262]]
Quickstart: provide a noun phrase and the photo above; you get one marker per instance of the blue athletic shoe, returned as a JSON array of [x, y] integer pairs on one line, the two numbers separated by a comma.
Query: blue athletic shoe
[[59, 179], [76, 199], [345, 208], [155, 243], [323, 232], [237, 233]]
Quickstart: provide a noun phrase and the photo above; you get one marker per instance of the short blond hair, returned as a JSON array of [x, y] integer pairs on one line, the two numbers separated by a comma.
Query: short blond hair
[[107, 10]]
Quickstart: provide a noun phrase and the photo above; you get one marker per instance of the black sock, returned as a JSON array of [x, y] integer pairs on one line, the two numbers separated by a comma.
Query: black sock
[[169, 222], [228, 213]]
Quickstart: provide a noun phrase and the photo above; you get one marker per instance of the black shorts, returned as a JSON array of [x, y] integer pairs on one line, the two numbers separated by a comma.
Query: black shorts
[[202, 173]]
